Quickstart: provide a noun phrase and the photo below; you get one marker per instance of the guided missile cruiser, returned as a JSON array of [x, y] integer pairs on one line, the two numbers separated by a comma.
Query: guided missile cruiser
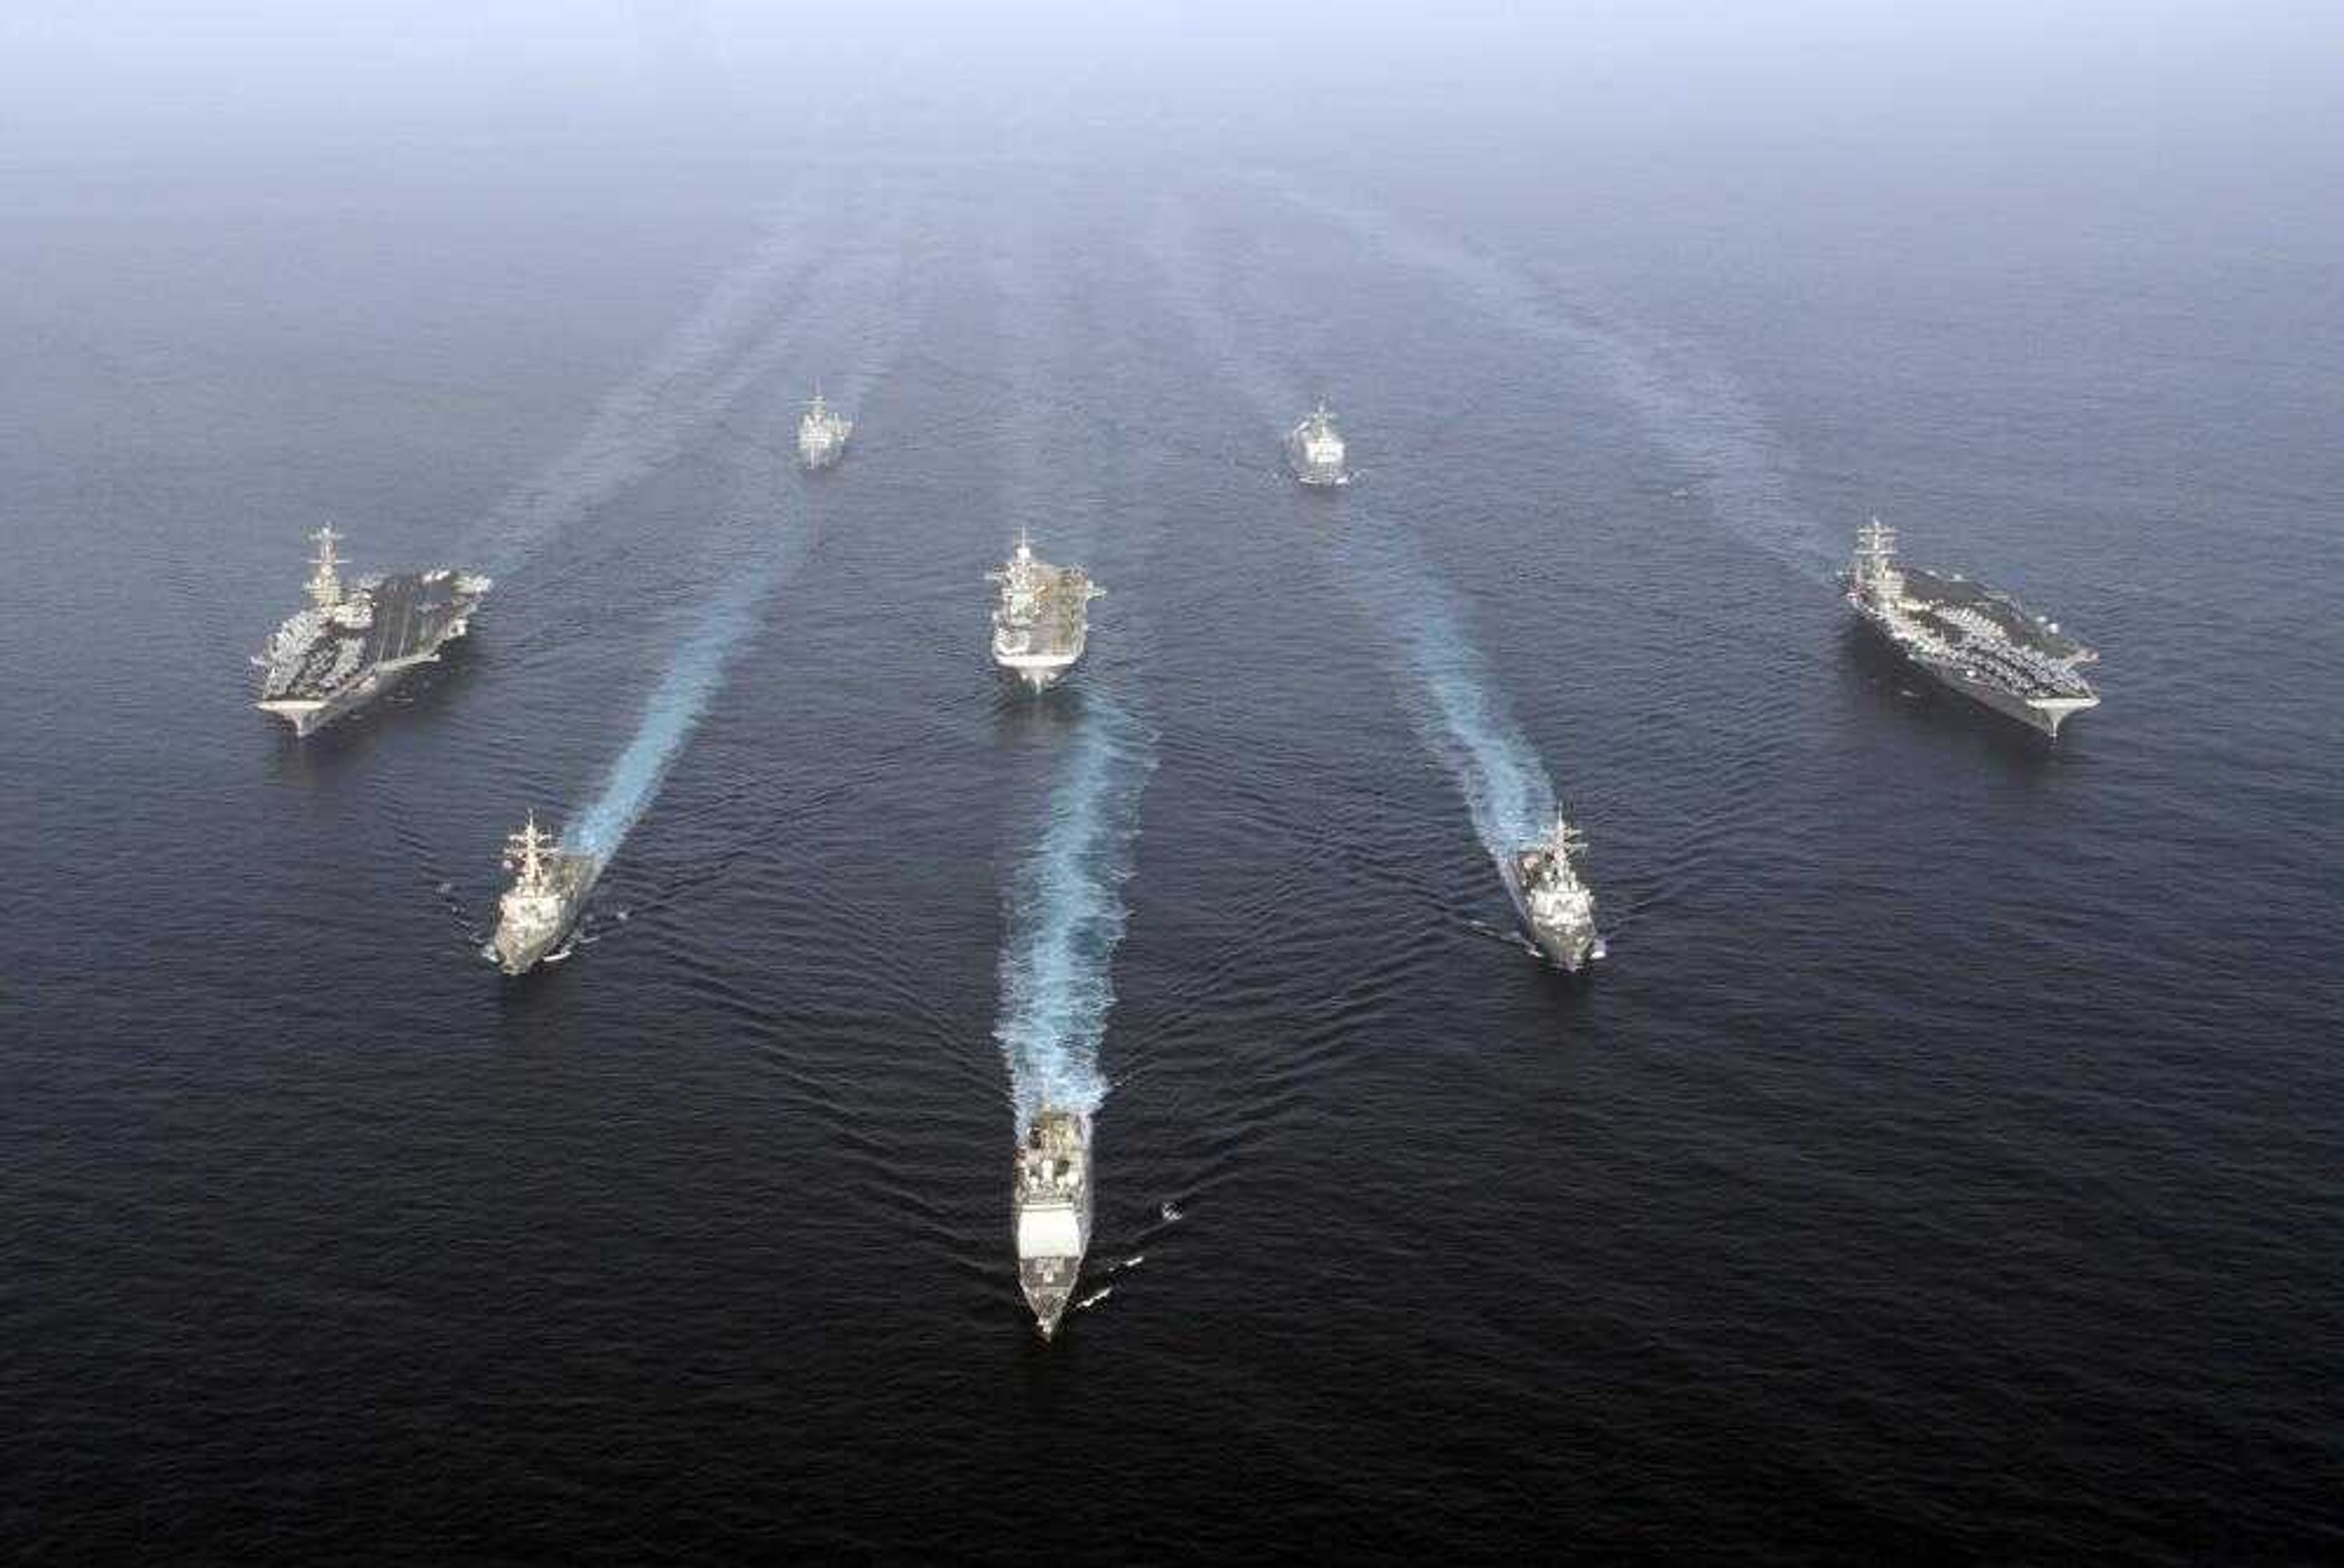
[[1314, 449], [1969, 637], [822, 434], [1051, 1206], [547, 894], [357, 640], [1555, 904], [1043, 616]]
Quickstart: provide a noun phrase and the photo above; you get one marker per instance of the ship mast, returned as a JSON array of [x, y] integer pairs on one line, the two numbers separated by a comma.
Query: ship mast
[[325, 582], [524, 853], [1875, 547]]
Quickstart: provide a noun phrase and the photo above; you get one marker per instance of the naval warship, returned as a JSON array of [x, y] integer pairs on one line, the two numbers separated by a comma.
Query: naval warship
[[1314, 449], [548, 893], [822, 434], [1043, 617], [1967, 636], [1555, 904], [357, 640], [1052, 1204]]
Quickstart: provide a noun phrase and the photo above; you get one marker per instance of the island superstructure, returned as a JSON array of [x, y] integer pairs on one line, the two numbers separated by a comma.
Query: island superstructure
[[548, 893], [1314, 451], [1042, 617], [1553, 899], [1051, 1207], [822, 434], [357, 640], [1969, 637]]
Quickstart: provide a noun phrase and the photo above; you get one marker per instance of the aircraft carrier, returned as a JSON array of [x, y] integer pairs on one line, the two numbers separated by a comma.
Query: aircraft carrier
[[1051, 1203], [1556, 906], [1314, 451], [1969, 637], [1042, 619], [358, 641], [547, 894], [822, 434]]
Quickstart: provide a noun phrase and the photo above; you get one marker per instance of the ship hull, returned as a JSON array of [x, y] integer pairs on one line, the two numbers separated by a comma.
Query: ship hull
[[1318, 478], [1037, 673], [1570, 951], [308, 716], [1052, 1235], [1037, 678], [516, 955], [1317, 475], [2044, 715], [415, 618]]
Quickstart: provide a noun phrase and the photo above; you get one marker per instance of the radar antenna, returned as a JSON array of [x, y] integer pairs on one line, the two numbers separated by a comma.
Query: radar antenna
[[325, 581]]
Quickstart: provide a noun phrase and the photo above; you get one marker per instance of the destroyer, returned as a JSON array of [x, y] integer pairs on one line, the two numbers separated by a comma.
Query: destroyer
[[1554, 902], [357, 641], [1315, 449], [1967, 636], [1043, 617], [822, 434], [1052, 1205], [548, 891]]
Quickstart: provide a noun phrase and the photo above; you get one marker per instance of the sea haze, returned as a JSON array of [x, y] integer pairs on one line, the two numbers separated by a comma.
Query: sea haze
[[1944, 1162]]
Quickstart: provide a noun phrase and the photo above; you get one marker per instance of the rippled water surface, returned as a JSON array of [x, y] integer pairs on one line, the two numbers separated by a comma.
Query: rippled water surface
[[1945, 1160]]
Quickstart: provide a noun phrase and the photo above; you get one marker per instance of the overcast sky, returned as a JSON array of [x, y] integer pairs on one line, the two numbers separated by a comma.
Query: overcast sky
[[111, 70]]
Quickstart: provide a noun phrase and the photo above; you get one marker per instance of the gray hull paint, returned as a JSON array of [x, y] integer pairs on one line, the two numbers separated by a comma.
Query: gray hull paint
[[416, 615], [578, 875], [1568, 956], [1994, 699]]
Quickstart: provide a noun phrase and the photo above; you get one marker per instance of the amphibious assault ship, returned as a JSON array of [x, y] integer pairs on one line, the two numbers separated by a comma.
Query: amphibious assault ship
[[1555, 904], [1052, 1205], [1980, 644], [547, 894], [822, 434], [1314, 449], [357, 641], [1043, 617]]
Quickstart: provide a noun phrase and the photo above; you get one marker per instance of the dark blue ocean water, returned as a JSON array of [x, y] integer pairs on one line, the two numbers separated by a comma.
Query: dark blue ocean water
[[1945, 1162]]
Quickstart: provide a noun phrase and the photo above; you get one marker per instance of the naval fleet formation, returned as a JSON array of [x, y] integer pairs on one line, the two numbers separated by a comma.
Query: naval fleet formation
[[356, 640]]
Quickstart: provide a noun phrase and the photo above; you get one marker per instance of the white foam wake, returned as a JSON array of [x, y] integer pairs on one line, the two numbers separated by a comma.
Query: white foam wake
[[674, 707], [1065, 914], [1446, 688]]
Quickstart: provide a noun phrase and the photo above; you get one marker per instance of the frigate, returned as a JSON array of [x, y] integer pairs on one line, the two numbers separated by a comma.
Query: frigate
[[1042, 618], [1553, 900], [1314, 449], [1969, 637], [1051, 1203], [547, 894], [357, 640], [822, 434]]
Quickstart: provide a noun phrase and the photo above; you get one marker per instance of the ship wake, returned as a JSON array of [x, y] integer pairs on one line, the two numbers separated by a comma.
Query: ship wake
[[1447, 688], [753, 320], [674, 706], [1689, 406], [1065, 914]]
